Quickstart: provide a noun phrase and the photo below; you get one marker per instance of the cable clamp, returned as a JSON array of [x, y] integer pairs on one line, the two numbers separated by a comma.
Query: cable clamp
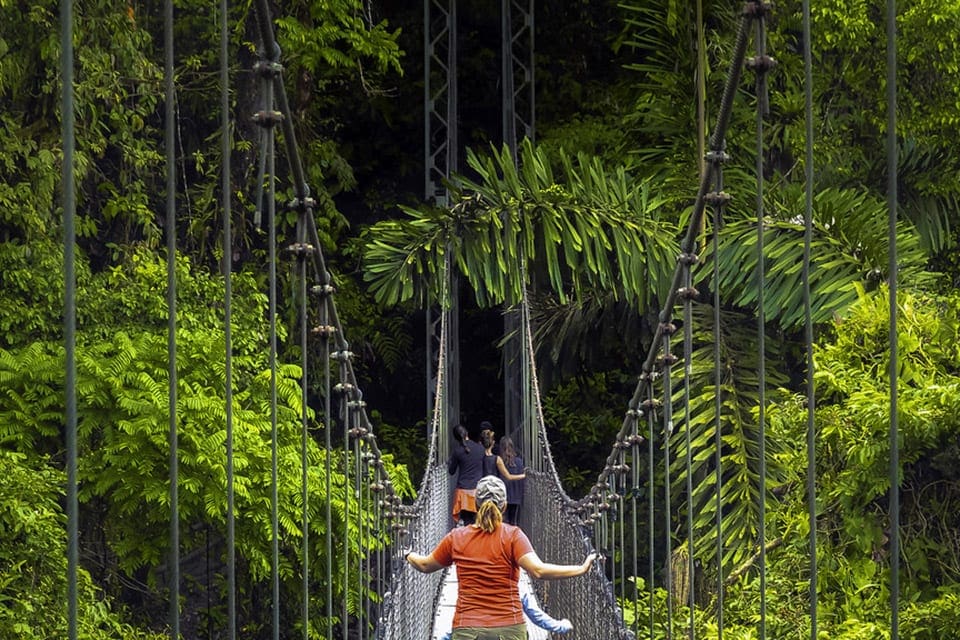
[[668, 328], [267, 118], [324, 330], [761, 64], [301, 204], [667, 360], [343, 388], [267, 69], [688, 258], [343, 356], [300, 249], [357, 432], [718, 198], [688, 293], [323, 290], [717, 157]]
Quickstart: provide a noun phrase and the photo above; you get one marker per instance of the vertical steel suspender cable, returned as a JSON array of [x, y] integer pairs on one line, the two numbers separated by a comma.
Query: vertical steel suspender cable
[[326, 334], [760, 66], [346, 413], [718, 198], [688, 295], [266, 119], [171, 230], [622, 518], [304, 439], [357, 466], [893, 337], [718, 395], [69, 304], [270, 139], [667, 331], [808, 318], [228, 295], [634, 488], [651, 501]]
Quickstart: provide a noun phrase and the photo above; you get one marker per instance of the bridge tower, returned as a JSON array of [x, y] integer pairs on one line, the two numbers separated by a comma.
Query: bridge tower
[[441, 151], [517, 108]]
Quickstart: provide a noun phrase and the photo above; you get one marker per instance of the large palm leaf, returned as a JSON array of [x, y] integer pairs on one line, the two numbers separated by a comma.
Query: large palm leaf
[[740, 464], [849, 246], [590, 229]]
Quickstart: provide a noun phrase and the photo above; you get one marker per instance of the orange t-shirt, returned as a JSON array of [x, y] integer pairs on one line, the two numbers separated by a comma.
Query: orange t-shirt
[[487, 572]]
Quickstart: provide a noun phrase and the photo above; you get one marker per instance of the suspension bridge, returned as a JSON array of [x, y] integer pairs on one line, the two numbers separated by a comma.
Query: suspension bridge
[[402, 603]]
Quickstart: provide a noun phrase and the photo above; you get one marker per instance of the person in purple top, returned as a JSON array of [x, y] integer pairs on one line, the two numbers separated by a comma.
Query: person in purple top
[[466, 461], [514, 479]]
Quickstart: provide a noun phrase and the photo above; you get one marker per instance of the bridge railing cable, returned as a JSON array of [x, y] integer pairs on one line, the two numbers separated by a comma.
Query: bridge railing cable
[[560, 535], [409, 605], [603, 501], [367, 487]]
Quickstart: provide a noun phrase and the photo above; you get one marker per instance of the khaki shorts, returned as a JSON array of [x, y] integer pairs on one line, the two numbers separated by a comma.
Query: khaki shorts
[[512, 632]]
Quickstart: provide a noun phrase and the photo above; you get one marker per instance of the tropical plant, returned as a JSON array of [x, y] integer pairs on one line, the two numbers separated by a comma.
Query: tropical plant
[[33, 561], [591, 229]]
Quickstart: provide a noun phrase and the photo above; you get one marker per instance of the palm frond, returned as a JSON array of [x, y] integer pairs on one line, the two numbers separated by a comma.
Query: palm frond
[[593, 229], [849, 247]]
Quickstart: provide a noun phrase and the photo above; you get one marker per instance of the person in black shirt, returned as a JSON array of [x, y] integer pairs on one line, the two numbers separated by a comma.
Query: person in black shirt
[[467, 462]]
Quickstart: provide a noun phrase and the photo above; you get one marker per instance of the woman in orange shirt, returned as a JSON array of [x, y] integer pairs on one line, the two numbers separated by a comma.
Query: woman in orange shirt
[[489, 555]]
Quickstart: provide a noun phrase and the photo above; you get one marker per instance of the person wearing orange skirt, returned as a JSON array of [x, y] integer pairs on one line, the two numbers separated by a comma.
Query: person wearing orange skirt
[[467, 462]]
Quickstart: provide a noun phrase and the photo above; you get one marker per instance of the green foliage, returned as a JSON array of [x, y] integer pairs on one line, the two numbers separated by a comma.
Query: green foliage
[[116, 96], [852, 462], [849, 248], [593, 228], [123, 410], [583, 416], [33, 561], [336, 35], [738, 422]]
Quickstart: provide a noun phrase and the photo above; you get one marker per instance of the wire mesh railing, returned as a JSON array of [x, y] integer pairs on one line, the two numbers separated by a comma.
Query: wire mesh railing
[[560, 536], [409, 606]]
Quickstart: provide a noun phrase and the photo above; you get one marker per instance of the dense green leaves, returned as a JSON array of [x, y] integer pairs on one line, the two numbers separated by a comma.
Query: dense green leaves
[[33, 561], [592, 228]]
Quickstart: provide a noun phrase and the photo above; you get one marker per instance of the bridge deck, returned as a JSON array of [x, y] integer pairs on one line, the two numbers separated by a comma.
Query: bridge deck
[[443, 621]]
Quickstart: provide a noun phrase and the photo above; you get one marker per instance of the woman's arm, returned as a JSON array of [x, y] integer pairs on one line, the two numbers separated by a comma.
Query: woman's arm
[[539, 569], [506, 474], [423, 564]]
